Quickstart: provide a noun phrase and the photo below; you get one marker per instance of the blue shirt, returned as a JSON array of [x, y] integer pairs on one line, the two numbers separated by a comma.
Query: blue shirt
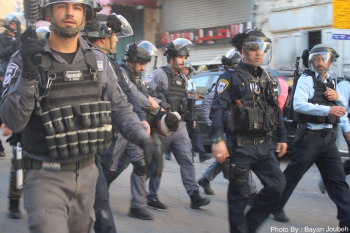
[[343, 88], [305, 91]]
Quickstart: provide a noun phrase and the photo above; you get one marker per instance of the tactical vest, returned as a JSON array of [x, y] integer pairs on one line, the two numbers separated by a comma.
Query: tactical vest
[[135, 79], [176, 94], [70, 126], [318, 98], [256, 114]]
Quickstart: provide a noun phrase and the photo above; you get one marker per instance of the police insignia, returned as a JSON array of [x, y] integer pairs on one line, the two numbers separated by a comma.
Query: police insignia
[[222, 85], [150, 77], [99, 65], [126, 79], [10, 72]]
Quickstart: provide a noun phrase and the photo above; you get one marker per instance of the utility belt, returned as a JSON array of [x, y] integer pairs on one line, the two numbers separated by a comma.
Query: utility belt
[[230, 171], [70, 136], [28, 163], [245, 140], [321, 132]]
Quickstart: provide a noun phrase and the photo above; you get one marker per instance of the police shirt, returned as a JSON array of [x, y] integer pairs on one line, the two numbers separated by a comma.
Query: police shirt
[[206, 105], [18, 101], [344, 90], [305, 91], [191, 85], [230, 88]]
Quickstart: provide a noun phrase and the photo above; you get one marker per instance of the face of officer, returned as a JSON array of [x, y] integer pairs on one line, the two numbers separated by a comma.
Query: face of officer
[[319, 64], [13, 26], [253, 54], [139, 67], [67, 15], [180, 61], [186, 71]]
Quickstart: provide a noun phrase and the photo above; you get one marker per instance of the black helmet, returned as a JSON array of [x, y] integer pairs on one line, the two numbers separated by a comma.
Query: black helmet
[[12, 17], [91, 7], [253, 40], [141, 51], [231, 58]]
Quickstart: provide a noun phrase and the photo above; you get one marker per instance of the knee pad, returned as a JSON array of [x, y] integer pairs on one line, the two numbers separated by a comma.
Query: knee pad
[[140, 167]]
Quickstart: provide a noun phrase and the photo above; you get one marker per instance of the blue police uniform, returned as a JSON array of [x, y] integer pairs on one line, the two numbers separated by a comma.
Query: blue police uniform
[[317, 146], [248, 154]]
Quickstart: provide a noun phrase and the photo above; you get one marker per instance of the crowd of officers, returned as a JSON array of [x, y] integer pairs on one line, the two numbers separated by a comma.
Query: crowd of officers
[[79, 119]]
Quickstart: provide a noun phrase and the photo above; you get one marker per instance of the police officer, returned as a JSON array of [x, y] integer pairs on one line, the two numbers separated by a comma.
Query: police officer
[[231, 59], [170, 81], [316, 110], [14, 193], [8, 46], [245, 107], [60, 180]]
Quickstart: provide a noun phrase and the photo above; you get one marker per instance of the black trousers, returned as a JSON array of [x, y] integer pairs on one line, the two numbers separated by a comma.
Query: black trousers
[[324, 152], [263, 162]]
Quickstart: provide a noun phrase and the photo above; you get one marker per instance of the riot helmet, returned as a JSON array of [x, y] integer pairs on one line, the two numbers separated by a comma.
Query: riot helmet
[[90, 9], [41, 32], [321, 56], [179, 47], [231, 58], [256, 48], [141, 51], [13, 17], [189, 66], [99, 28]]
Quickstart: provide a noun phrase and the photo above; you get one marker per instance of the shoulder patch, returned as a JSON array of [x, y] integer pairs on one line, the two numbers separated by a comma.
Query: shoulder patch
[[10, 72], [150, 77], [126, 79], [99, 65], [222, 85]]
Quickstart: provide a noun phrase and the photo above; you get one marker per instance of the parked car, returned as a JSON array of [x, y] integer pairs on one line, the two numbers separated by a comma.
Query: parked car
[[205, 80]]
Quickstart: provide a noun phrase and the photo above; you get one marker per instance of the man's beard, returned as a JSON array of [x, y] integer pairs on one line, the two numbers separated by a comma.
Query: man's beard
[[66, 34]]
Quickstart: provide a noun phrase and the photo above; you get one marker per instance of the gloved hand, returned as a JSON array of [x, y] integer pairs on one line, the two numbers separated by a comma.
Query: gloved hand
[[29, 47], [114, 23], [151, 152], [15, 45]]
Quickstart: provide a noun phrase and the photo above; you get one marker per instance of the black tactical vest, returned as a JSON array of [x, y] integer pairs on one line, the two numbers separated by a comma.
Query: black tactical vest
[[256, 114], [176, 95], [135, 79], [72, 85], [319, 99]]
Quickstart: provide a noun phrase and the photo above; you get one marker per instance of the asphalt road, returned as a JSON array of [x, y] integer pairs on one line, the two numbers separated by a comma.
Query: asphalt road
[[308, 209]]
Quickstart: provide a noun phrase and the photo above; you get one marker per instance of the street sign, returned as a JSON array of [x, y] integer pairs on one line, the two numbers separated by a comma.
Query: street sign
[[341, 34], [341, 14]]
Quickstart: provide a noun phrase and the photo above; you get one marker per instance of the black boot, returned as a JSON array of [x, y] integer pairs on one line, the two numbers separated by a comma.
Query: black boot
[[204, 156], [142, 213], [206, 186], [198, 201], [280, 216], [14, 211]]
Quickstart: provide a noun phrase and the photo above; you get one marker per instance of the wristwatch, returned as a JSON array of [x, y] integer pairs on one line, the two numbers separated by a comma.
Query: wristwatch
[[217, 140]]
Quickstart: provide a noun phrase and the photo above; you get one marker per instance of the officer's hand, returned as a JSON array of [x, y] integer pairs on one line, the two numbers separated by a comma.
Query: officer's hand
[[29, 47], [331, 94], [347, 136], [337, 111], [151, 152], [219, 151], [154, 104], [145, 123], [194, 124], [114, 23], [281, 148], [15, 45], [144, 82], [196, 97]]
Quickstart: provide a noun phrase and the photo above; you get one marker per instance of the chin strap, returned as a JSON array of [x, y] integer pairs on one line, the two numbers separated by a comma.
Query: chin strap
[[176, 67]]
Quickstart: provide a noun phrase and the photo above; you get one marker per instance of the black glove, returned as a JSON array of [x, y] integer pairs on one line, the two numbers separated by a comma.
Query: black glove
[[114, 23], [15, 45], [28, 48], [151, 152]]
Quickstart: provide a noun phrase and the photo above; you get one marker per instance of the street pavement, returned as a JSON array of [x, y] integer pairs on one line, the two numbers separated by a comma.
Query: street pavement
[[308, 209]]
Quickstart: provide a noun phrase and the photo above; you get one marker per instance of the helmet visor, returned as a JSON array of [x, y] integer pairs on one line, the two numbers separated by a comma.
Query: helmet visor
[[257, 53], [44, 3], [231, 53], [126, 28], [182, 43], [320, 61], [146, 49]]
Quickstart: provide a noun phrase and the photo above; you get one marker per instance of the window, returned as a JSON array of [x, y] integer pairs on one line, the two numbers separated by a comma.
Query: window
[[314, 38], [202, 83]]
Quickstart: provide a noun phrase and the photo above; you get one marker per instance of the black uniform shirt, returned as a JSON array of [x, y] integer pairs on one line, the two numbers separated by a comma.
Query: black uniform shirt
[[231, 87]]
